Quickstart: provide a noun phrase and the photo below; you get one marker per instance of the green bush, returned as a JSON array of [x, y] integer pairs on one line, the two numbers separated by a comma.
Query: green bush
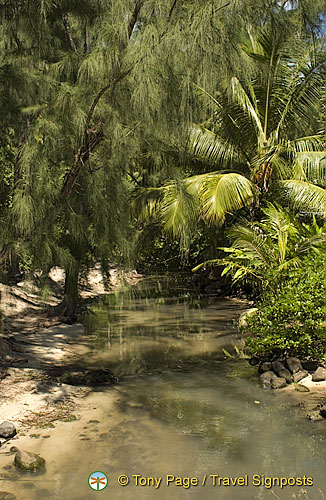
[[291, 320]]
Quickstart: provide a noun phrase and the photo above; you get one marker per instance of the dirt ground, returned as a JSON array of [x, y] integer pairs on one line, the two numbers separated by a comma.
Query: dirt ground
[[36, 348]]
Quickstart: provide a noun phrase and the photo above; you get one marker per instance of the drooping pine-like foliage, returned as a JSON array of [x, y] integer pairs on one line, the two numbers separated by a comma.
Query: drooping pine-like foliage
[[261, 131], [98, 96]]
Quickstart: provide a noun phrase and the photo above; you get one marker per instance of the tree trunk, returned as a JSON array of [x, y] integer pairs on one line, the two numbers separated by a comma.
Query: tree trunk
[[70, 299]]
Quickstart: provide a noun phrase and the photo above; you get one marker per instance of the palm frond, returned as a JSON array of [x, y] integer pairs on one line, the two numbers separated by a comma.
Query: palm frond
[[304, 196], [224, 193], [178, 210], [145, 202], [256, 248], [242, 99], [205, 145]]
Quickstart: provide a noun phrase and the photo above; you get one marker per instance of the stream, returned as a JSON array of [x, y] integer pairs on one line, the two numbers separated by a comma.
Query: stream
[[181, 409]]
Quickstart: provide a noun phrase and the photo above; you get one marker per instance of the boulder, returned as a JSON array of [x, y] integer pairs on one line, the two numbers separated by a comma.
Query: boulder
[[278, 383], [7, 430], [319, 375], [322, 411], [266, 379], [314, 416], [213, 287], [310, 365], [265, 366], [294, 365], [267, 376], [29, 462], [89, 377], [286, 374], [243, 320], [277, 366], [299, 375], [4, 495]]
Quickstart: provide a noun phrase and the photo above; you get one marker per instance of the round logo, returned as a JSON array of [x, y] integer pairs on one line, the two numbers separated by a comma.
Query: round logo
[[98, 481]]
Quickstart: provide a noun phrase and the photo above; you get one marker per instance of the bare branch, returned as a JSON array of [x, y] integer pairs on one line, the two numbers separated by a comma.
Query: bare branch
[[172, 8], [68, 32], [134, 17], [223, 6]]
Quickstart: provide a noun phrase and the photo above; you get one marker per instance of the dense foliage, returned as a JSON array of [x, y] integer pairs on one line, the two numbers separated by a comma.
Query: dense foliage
[[204, 106], [291, 319], [262, 251]]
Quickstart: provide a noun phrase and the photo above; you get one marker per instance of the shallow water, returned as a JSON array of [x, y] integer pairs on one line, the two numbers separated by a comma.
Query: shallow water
[[180, 410]]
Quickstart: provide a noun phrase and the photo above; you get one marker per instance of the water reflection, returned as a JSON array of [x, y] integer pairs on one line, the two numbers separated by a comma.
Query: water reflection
[[134, 335], [180, 409]]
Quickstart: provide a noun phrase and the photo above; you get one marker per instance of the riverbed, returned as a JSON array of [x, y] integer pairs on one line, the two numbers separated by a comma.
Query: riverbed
[[183, 421]]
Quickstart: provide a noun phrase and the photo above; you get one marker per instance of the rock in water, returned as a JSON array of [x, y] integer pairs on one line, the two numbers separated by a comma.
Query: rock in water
[[89, 377], [7, 430], [322, 411], [294, 365], [299, 375], [4, 495], [314, 416], [278, 383], [319, 375], [277, 366], [29, 462]]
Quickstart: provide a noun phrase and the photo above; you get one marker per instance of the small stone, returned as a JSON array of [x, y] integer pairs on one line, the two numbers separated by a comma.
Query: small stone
[[278, 383], [294, 365], [286, 374], [4, 495], [319, 375], [29, 486], [257, 402], [299, 375], [314, 416], [7, 430], [301, 388], [29, 462], [253, 361], [277, 366]]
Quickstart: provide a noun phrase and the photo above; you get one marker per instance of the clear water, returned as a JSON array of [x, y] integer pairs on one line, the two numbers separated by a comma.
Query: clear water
[[180, 410]]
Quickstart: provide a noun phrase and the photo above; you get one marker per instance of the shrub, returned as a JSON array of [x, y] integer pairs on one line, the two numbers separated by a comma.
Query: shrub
[[291, 320]]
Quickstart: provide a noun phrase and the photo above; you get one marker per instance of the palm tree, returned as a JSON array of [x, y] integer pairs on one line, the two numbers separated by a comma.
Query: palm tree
[[262, 135]]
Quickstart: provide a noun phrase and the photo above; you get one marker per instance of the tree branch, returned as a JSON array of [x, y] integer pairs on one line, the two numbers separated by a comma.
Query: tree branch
[[172, 8], [92, 137], [134, 17], [68, 32]]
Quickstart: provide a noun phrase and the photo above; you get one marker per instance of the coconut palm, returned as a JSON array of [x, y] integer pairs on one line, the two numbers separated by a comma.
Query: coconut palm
[[262, 135]]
